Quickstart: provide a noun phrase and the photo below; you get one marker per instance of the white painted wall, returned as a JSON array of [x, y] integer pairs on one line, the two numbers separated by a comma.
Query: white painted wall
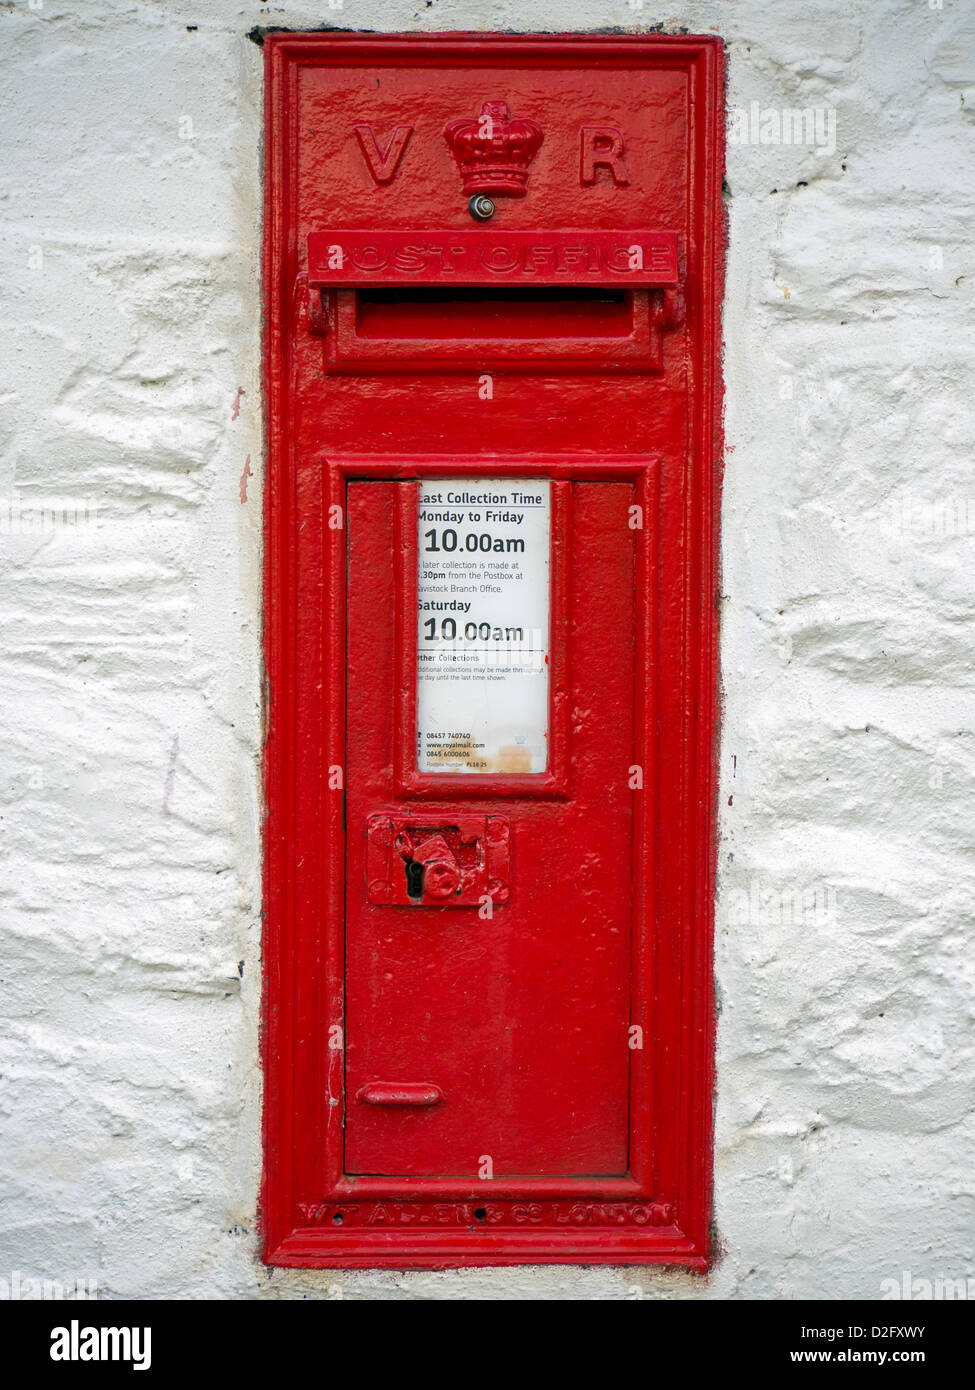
[[129, 890]]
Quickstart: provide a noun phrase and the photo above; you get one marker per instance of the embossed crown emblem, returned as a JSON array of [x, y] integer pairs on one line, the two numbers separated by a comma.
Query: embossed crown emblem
[[493, 150]]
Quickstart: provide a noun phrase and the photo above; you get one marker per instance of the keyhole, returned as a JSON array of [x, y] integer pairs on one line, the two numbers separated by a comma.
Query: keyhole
[[414, 879]]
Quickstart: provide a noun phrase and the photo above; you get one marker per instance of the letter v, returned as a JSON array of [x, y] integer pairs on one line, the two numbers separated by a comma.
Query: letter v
[[383, 163]]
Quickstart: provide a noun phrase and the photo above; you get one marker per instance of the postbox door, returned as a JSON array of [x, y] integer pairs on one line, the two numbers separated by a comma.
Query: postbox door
[[493, 1036]]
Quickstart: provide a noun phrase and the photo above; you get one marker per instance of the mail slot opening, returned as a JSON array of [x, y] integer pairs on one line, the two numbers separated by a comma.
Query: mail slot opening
[[436, 312]]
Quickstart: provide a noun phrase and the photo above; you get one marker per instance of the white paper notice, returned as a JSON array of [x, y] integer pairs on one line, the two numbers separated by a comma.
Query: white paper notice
[[482, 648]]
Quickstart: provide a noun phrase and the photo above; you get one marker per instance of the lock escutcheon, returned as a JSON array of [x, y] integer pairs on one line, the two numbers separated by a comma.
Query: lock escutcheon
[[461, 864]]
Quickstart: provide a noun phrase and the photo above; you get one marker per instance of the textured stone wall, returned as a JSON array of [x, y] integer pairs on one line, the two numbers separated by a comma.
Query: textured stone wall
[[130, 498]]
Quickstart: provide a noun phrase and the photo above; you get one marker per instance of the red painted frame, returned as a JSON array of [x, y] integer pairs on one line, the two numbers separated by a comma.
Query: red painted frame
[[660, 1212]]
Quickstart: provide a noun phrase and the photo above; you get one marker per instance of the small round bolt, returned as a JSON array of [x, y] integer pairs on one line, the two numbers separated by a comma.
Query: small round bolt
[[499, 890], [481, 207], [440, 880]]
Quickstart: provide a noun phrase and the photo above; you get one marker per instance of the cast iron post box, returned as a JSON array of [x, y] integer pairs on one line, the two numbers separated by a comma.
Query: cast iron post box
[[492, 278]]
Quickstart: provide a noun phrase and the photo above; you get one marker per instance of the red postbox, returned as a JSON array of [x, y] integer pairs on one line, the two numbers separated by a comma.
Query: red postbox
[[492, 274]]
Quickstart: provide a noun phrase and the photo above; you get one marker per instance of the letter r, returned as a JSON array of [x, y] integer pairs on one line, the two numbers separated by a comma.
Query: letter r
[[601, 147]]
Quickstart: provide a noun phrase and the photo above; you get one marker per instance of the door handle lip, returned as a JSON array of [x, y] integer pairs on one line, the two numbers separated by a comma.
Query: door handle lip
[[399, 1093]]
